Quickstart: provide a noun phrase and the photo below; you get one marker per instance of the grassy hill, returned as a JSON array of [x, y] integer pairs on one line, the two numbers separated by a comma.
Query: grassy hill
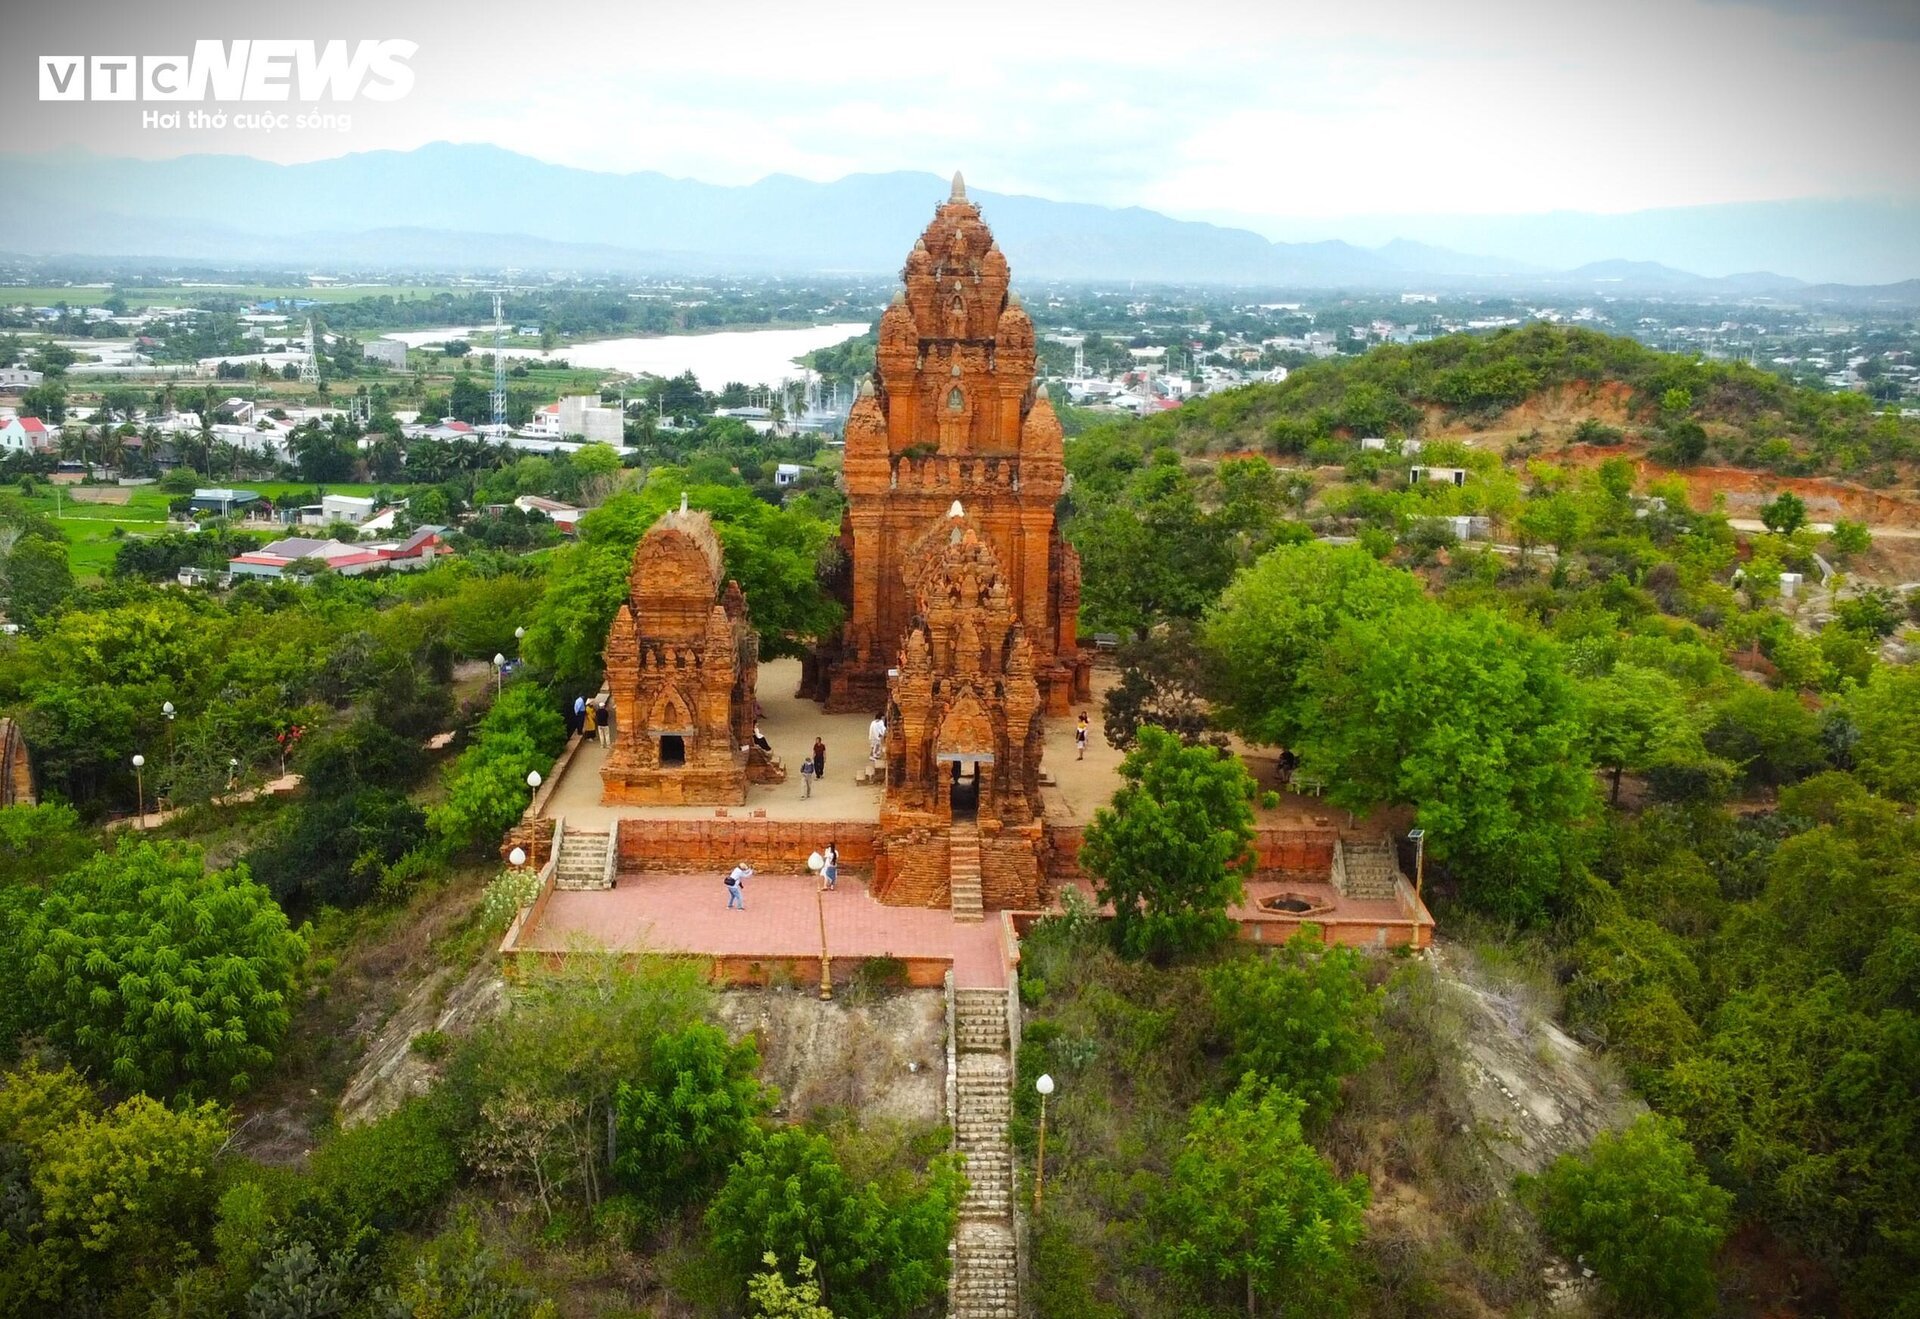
[[1554, 385]]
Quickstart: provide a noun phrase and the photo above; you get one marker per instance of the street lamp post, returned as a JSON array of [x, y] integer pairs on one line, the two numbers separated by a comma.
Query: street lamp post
[[1045, 1086], [499, 669], [166, 708], [814, 862], [140, 788], [1419, 837]]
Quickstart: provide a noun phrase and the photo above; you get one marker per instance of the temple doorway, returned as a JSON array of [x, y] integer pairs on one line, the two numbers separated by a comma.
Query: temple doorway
[[673, 750], [963, 792]]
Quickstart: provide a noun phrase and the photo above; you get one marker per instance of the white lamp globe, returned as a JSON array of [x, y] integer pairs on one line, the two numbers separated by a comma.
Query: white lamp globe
[[815, 861], [166, 708], [517, 857], [498, 659], [138, 761], [1045, 1084], [533, 778]]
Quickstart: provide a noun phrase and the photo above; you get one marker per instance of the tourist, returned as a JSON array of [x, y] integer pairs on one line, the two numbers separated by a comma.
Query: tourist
[[760, 740], [806, 779], [819, 759], [606, 722], [737, 886], [1287, 764], [831, 870], [877, 738], [590, 721], [1080, 736], [579, 715]]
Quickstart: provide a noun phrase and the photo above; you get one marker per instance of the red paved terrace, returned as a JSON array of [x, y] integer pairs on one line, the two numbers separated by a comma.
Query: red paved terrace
[[688, 914]]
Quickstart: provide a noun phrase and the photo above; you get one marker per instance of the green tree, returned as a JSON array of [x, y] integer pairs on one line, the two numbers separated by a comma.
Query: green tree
[[1849, 538], [1886, 714], [162, 974], [688, 1117], [878, 1254], [38, 579], [1252, 1205], [1469, 717], [1769, 736], [1639, 1209], [1637, 719], [40, 843], [101, 1205], [773, 1297], [1275, 618], [1172, 850], [1300, 1018], [1784, 514]]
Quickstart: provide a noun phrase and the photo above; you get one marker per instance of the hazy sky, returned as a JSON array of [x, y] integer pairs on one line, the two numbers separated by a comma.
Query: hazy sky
[[1270, 114]]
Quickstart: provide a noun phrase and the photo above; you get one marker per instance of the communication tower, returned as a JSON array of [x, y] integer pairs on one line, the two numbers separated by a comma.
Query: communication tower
[[499, 369], [310, 364]]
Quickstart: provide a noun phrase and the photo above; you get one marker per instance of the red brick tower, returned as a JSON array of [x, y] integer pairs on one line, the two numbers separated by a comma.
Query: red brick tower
[[953, 412]]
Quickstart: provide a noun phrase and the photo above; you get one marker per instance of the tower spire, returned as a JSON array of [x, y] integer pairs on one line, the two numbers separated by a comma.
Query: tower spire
[[959, 193]]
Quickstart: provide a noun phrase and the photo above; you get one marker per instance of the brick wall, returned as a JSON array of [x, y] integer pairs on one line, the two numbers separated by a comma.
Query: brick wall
[[1278, 852], [776, 846], [1010, 860]]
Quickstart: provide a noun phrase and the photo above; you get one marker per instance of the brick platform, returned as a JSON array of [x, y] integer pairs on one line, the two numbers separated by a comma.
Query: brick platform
[[780, 926]]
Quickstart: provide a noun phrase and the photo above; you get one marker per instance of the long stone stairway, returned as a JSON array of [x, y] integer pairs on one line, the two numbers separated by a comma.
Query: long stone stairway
[[963, 872], [985, 1282], [1370, 868], [583, 860]]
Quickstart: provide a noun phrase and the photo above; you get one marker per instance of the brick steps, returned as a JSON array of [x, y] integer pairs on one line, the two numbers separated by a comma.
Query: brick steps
[[582, 863], [1371, 870], [985, 1282], [963, 871]]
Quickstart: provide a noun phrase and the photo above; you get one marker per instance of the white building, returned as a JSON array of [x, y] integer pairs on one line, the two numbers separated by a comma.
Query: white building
[[584, 414], [27, 435], [348, 508], [18, 377], [1445, 475], [387, 352]]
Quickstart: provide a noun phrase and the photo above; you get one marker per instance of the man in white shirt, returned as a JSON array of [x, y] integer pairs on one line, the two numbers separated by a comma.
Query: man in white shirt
[[876, 738], [737, 886]]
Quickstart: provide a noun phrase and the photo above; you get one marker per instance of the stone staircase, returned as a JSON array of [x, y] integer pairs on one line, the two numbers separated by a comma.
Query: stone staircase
[[583, 860], [1370, 869], [985, 1283], [963, 874]]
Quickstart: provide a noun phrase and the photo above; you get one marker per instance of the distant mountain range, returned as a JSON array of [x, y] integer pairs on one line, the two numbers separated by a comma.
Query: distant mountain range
[[481, 208]]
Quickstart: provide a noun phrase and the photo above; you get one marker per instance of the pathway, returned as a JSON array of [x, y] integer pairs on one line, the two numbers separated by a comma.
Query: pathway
[[279, 787]]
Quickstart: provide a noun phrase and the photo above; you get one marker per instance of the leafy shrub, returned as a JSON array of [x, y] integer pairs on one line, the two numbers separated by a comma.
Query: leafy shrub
[[1299, 1017], [1638, 1208], [878, 1254], [685, 1120], [391, 1173], [162, 974]]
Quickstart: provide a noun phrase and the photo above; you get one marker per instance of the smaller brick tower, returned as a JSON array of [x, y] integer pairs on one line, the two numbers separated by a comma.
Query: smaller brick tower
[[681, 661], [960, 823]]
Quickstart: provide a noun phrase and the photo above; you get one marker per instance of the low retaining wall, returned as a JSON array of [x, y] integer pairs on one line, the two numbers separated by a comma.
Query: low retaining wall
[[1289, 851], [777, 846], [800, 973]]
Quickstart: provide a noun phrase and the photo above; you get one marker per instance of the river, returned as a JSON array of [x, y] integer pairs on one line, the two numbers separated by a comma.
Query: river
[[754, 357]]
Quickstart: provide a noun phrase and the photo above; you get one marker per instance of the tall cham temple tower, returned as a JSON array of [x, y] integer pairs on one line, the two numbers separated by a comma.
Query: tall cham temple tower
[[953, 413], [961, 595]]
